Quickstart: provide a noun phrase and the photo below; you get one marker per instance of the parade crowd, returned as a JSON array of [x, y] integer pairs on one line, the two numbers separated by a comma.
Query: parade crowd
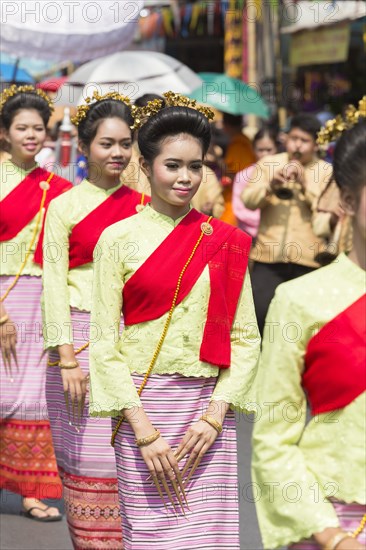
[[191, 274]]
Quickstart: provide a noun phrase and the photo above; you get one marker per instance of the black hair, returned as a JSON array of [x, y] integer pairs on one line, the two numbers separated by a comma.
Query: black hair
[[349, 164], [55, 130], [4, 145], [24, 100], [264, 132], [172, 121], [307, 123], [100, 110], [144, 99], [232, 120]]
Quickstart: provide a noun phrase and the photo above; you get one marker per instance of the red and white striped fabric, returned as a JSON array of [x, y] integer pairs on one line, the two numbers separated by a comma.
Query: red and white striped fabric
[[27, 460], [173, 402], [85, 458]]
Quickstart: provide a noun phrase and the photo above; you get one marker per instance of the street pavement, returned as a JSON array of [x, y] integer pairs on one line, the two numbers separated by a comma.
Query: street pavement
[[19, 533]]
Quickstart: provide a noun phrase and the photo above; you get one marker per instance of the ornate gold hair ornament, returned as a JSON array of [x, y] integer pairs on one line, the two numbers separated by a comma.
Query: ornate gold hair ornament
[[82, 110], [334, 128], [15, 90], [141, 114]]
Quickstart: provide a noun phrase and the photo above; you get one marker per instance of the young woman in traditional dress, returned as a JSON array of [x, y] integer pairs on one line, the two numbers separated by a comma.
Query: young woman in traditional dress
[[190, 343], [310, 474], [73, 226], [27, 460]]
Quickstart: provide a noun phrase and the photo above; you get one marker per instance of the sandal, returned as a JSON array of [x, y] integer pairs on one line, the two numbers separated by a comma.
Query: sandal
[[45, 519]]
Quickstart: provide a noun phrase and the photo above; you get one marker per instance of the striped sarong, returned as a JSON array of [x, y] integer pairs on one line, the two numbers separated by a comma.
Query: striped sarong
[[173, 403], [85, 459], [27, 460], [349, 516]]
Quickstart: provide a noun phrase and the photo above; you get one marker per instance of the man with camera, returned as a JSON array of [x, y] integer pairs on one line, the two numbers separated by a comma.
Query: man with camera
[[286, 187]]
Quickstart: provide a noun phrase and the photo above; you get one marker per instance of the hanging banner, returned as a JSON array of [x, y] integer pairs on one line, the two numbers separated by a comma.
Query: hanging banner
[[233, 57], [323, 45]]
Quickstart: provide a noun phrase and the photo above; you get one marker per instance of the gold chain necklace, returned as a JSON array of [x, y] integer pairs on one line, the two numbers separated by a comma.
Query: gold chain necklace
[[139, 207], [45, 185], [204, 228]]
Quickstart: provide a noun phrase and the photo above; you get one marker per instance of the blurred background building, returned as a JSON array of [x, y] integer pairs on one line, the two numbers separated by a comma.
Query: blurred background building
[[302, 54]]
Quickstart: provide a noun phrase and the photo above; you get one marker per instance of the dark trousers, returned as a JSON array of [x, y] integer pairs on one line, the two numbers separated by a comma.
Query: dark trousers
[[265, 280]]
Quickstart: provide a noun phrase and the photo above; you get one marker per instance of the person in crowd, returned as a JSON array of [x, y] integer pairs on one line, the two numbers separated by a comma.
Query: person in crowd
[[239, 155], [73, 226], [209, 198], [189, 349], [340, 240], [133, 176], [27, 460], [311, 471], [286, 187], [264, 143], [46, 158]]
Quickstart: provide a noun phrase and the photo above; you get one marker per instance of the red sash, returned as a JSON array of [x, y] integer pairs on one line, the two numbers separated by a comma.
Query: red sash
[[22, 204], [335, 361], [85, 234], [148, 294]]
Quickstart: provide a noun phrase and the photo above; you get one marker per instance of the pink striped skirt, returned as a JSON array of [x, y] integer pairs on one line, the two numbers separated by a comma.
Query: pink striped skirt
[[173, 402], [350, 516], [27, 459], [85, 459]]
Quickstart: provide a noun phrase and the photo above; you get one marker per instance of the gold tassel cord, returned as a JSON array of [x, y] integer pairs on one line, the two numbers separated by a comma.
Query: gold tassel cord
[[34, 235], [164, 332], [79, 350]]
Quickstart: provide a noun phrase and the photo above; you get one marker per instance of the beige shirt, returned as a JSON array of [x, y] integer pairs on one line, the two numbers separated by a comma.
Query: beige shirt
[[290, 231], [209, 192]]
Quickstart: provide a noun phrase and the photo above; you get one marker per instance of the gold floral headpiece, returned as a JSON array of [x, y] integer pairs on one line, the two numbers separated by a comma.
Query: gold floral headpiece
[[15, 90], [334, 128], [82, 110], [141, 114]]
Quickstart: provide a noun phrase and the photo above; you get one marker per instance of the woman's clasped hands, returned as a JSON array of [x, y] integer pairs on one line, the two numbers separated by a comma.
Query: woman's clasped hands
[[162, 461]]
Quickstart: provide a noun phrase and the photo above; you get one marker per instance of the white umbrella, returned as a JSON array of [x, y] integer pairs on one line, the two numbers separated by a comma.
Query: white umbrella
[[75, 31], [131, 73]]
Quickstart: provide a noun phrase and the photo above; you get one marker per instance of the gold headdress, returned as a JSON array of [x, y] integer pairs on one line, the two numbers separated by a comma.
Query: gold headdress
[[334, 128], [141, 114], [15, 90], [82, 110]]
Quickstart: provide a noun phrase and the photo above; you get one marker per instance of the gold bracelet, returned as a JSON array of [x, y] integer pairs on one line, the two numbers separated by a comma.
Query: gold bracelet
[[335, 540], [4, 319], [214, 423], [69, 365], [147, 440]]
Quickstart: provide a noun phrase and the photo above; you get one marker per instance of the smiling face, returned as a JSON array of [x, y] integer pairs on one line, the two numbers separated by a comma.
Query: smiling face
[[26, 136], [175, 174], [109, 153]]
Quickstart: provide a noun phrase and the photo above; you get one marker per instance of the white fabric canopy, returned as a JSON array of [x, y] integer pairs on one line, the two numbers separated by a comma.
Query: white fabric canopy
[[75, 30], [130, 73], [305, 15]]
